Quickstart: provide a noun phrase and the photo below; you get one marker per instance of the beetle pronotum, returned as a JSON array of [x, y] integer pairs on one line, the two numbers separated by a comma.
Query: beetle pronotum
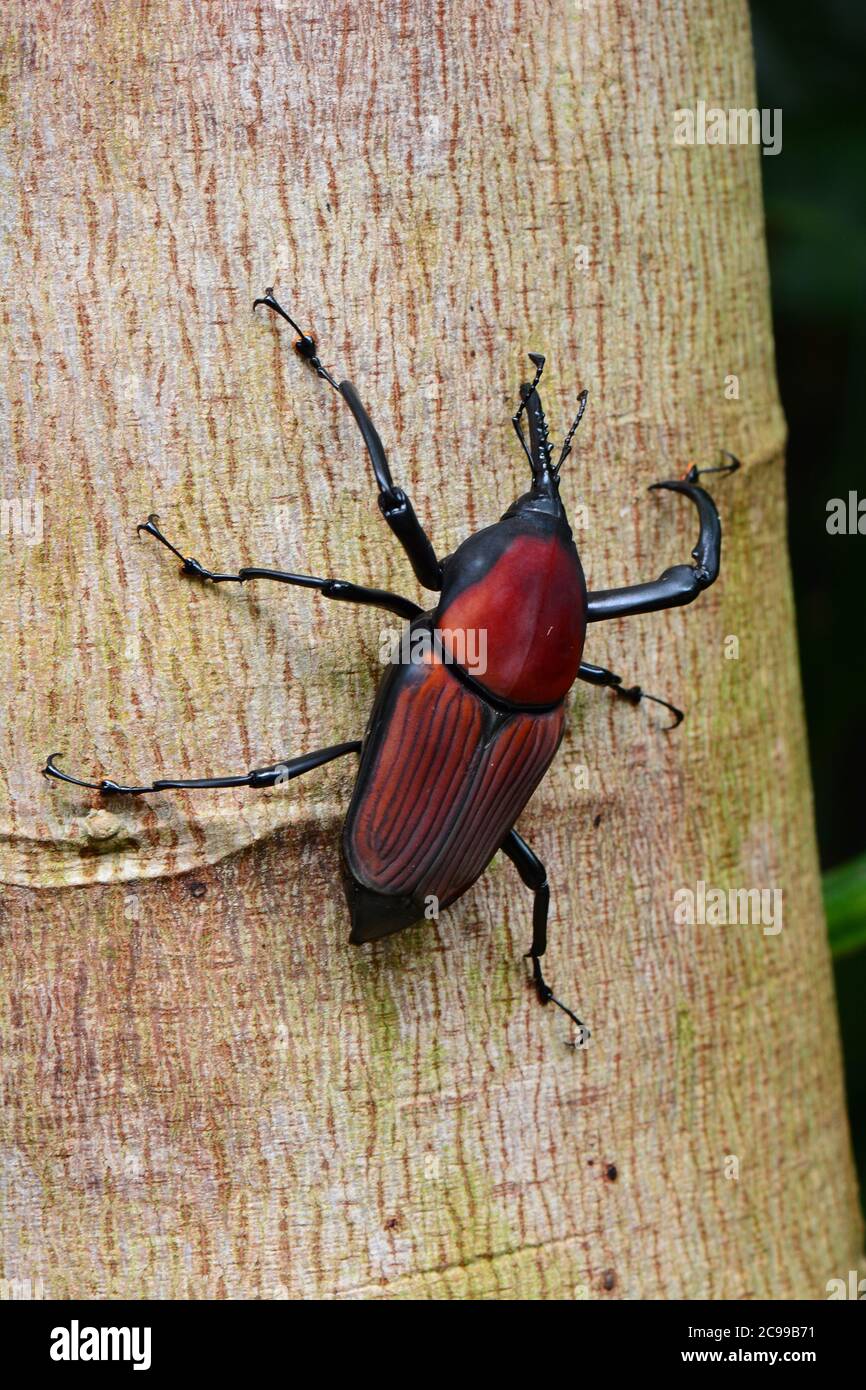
[[450, 757]]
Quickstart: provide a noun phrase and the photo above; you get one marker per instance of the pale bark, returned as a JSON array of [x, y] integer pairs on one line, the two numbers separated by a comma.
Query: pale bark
[[207, 1090]]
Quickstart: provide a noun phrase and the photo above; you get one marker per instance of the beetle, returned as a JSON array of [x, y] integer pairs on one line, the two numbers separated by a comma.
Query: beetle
[[453, 748]]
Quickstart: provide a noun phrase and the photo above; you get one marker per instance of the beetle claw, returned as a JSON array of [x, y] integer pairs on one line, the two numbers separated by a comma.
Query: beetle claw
[[694, 472], [634, 694], [51, 770], [585, 1034], [305, 345], [678, 714], [151, 527], [547, 996]]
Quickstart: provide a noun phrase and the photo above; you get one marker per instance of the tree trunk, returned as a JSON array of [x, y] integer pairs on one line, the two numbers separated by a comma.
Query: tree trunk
[[208, 1092]]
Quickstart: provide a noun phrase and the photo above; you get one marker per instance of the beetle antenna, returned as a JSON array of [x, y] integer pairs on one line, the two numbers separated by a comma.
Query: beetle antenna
[[525, 392], [566, 448], [515, 420], [305, 345]]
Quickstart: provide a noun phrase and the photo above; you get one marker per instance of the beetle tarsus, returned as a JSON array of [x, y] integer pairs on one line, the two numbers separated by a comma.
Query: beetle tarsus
[[547, 996], [274, 775], [305, 345], [329, 588], [694, 472], [106, 786], [599, 675], [634, 694], [49, 770], [190, 565], [533, 873], [151, 527]]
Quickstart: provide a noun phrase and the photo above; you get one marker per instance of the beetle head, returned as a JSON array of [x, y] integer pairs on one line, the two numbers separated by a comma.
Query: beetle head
[[544, 493]]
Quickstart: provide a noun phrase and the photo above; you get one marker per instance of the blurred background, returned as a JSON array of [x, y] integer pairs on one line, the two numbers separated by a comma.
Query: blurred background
[[811, 62]]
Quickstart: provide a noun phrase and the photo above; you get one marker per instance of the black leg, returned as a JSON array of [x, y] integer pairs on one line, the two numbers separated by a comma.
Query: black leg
[[328, 588], [259, 777], [682, 583], [534, 875], [394, 505], [598, 675]]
